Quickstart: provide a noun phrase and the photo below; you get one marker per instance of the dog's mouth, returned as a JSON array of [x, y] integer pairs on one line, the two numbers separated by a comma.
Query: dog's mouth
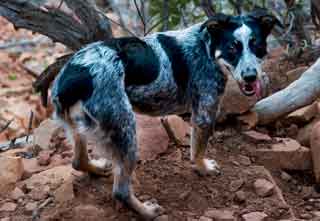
[[252, 88]]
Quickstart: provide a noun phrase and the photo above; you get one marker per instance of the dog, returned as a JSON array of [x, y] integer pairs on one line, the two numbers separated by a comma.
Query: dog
[[176, 72]]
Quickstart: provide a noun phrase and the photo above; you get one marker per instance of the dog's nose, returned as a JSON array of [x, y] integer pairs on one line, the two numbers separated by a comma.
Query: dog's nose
[[250, 75]]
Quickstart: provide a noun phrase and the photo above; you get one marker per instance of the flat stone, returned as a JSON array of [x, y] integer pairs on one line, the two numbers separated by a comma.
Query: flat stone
[[162, 218], [255, 216], [285, 154], [263, 187], [8, 207], [257, 137], [203, 218], [220, 214]]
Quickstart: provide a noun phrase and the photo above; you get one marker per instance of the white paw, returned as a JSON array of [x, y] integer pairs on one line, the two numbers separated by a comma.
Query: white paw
[[101, 163], [152, 210], [208, 167]]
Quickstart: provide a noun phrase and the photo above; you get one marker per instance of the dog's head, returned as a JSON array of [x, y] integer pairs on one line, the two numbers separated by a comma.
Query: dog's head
[[238, 44]]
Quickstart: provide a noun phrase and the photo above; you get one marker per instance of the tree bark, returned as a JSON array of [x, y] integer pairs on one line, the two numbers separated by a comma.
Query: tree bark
[[300, 93]]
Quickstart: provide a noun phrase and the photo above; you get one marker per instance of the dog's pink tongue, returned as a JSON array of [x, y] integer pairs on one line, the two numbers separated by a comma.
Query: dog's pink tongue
[[257, 89]]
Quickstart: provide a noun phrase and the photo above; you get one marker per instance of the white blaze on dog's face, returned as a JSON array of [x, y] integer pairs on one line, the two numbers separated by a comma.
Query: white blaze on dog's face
[[248, 70], [239, 45]]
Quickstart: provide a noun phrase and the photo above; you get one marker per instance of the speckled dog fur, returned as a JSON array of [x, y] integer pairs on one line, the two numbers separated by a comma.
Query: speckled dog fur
[[173, 72]]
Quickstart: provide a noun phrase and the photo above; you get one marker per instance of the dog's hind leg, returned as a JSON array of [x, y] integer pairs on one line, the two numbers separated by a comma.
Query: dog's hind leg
[[124, 161], [81, 159]]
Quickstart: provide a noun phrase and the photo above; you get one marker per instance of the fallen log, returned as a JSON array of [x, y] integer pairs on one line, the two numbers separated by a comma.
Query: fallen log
[[298, 94]]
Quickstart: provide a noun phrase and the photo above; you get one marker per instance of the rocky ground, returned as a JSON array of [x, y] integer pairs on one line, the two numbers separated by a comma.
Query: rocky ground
[[267, 172]]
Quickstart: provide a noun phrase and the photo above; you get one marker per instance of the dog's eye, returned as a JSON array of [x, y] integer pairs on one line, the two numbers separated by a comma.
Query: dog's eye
[[233, 48]]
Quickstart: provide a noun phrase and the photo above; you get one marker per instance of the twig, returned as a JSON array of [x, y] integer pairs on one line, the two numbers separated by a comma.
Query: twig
[[30, 125], [141, 17], [15, 91], [6, 126], [36, 212], [15, 143]]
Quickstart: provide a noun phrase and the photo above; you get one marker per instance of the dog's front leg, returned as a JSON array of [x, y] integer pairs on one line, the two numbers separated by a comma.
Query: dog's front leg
[[203, 118], [199, 142]]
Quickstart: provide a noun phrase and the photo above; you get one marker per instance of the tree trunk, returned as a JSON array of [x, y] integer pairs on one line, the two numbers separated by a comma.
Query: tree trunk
[[300, 93]]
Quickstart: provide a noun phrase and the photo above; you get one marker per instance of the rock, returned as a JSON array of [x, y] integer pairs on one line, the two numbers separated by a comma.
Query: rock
[[233, 101], [162, 218], [285, 176], [88, 213], [152, 137], [304, 134], [315, 151], [255, 216], [220, 215], [285, 154], [11, 171], [43, 158], [52, 178], [263, 187], [203, 218], [31, 167], [306, 216], [180, 128], [31, 206], [294, 74], [17, 193], [316, 214], [236, 185], [244, 160], [5, 219], [39, 193], [303, 115], [44, 133], [257, 137], [8, 207], [240, 196], [65, 192]]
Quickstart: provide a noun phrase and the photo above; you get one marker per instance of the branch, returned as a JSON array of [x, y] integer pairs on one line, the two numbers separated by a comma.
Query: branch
[[300, 93], [85, 25], [207, 7]]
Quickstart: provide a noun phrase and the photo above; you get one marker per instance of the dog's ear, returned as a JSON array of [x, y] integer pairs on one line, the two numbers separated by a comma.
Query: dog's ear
[[265, 20], [217, 22]]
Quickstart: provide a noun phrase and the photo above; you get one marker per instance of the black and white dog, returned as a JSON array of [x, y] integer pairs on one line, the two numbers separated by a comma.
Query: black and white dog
[[174, 72]]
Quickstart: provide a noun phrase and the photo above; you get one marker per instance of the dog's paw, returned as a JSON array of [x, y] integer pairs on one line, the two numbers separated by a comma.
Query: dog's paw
[[100, 167], [152, 210], [207, 167]]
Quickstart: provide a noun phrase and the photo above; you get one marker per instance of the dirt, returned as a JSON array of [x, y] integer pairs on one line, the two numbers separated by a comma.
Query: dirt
[[168, 178]]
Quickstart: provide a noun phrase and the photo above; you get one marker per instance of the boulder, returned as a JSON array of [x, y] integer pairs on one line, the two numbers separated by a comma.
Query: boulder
[[152, 137], [11, 171], [285, 154], [44, 134], [8, 207]]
